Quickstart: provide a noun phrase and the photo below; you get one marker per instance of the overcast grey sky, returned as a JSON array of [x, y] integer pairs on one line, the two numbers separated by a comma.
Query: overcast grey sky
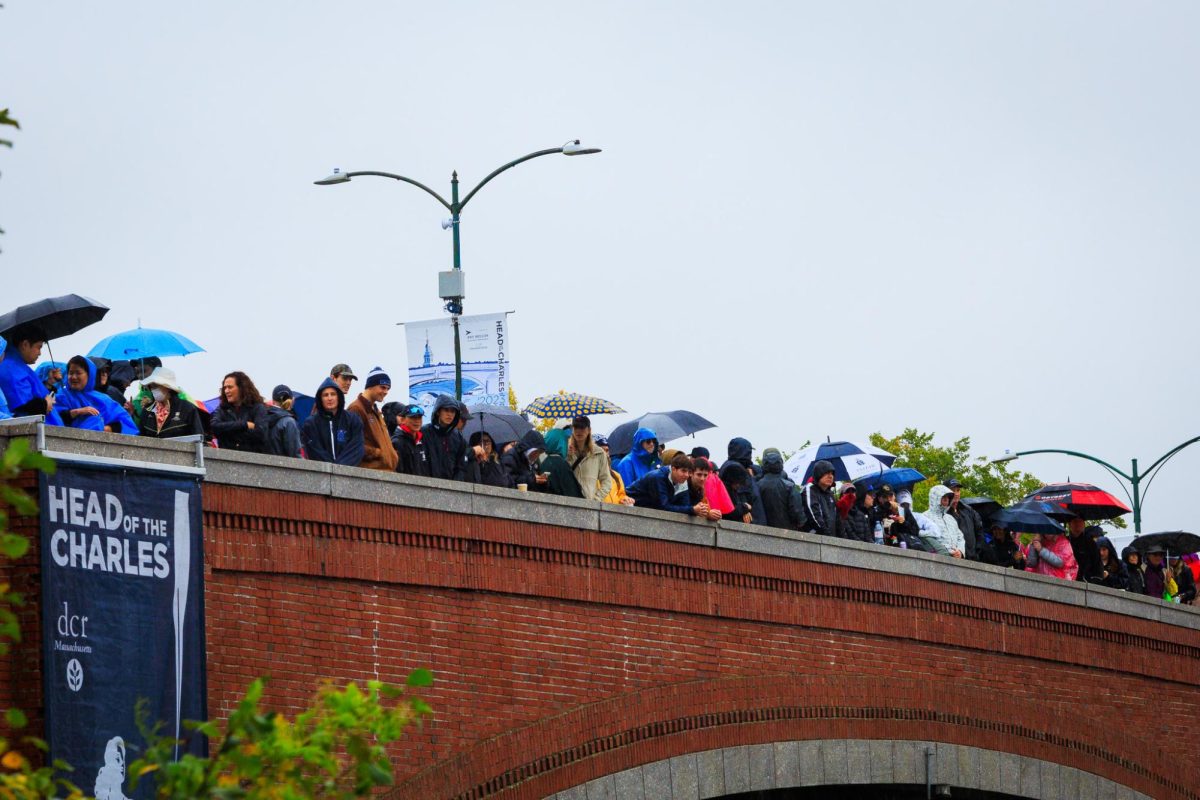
[[808, 220]]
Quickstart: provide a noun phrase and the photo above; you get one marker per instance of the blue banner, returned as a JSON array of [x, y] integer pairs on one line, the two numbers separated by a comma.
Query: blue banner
[[122, 617]]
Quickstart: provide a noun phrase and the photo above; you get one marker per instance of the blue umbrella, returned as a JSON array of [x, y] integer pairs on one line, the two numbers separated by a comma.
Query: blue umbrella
[[894, 477], [144, 343], [1028, 516]]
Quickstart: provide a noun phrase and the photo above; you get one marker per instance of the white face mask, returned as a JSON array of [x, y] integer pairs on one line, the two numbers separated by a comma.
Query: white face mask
[[160, 395]]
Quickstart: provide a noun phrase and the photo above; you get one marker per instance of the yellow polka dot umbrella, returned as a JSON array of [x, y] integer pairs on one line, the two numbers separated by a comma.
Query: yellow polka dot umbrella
[[566, 405]]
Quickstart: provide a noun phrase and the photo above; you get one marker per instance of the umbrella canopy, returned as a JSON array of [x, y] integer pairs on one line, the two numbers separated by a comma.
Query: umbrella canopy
[[850, 461], [896, 477], [1174, 542], [984, 506], [1027, 516], [667, 425], [1081, 500], [144, 343], [57, 316], [502, 424], [569, 404]]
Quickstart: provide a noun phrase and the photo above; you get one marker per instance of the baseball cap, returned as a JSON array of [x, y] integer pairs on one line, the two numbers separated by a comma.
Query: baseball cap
[[343, 369]]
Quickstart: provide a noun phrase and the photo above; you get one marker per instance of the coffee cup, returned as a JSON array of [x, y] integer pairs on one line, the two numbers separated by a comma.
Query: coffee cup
[[522, 487]]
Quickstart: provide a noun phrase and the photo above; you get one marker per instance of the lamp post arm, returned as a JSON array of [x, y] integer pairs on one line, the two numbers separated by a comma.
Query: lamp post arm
[[393, 176], [507, 166], [1102, 463], [1170, 453]]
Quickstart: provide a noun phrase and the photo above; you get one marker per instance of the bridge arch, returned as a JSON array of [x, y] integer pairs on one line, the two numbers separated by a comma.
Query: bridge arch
[[746, 771]]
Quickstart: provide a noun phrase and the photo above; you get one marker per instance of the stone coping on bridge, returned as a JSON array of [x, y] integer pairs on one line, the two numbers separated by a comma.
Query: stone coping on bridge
[[351, 483], [840, 762]]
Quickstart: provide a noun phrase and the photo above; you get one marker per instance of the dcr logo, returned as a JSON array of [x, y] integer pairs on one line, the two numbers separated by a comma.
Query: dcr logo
[[74, 675]]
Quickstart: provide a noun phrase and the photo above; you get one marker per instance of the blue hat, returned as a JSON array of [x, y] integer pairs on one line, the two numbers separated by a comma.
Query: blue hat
[[377, 377]]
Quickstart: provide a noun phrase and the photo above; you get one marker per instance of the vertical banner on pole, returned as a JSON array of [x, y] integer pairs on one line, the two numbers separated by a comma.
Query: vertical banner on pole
[[484, 342], [122, 617]]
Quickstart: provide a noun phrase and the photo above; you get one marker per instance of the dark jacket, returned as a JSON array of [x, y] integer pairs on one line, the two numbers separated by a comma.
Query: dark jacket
[[283, 434], [231, 432], [1001, 552], [335, 438], [182, 420], [859, 524], [1155, 580], [780, 497], [516, 463], [562, 480], [1087, 556], [740, 452], [655, 490], [410, 447], [820, 511], [489, 472], [971, 525], [1186, 583], [444, 444]]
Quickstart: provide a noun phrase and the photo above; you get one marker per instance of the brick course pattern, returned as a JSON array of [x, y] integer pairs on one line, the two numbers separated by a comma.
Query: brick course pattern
[[563, 655]]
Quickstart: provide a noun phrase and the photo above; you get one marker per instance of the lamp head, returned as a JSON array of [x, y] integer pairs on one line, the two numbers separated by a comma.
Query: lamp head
[[337, 177], [1009, 455], [574, 148]]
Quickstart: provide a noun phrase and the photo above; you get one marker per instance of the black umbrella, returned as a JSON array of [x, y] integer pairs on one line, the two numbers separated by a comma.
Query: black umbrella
[[1176, 543], [502, 424], [667, 426], [983, 506], [56, 316], [1028, 516]]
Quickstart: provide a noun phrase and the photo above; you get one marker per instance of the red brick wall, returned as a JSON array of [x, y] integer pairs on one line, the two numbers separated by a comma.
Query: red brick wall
[[562, 655]]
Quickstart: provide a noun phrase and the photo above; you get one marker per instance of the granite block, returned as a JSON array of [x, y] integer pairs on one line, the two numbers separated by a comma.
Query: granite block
[[710, 772], [685, 780], [762, 766]]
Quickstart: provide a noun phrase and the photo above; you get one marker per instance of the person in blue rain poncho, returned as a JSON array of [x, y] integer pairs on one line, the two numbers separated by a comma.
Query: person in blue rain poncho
[[643, 458], [81, 406], [27, 396]]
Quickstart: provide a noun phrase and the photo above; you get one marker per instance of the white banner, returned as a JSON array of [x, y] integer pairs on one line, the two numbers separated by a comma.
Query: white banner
[[484, 342]]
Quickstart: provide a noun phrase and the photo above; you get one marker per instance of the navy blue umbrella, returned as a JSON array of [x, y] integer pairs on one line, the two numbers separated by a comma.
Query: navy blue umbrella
[[1028, 516], [56, 316]]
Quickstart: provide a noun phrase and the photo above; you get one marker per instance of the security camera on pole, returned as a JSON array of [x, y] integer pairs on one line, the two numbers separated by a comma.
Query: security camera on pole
[[451, 285]]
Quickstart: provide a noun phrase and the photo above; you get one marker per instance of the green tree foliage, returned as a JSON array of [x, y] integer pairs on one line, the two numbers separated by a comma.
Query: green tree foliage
[[978, 476], [336, 749]]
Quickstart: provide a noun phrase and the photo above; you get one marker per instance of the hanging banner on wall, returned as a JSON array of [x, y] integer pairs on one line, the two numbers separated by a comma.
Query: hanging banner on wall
[[122, 617], [484, 344]]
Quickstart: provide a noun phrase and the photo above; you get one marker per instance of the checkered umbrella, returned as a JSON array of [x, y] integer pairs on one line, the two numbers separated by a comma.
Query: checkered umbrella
[[565, 405]]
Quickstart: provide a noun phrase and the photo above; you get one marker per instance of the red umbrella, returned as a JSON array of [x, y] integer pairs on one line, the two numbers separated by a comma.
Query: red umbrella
[[1081, 499]]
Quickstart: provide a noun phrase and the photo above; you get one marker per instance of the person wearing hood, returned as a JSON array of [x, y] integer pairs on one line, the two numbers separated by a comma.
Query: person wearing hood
[[735, 478], [1112, 571], [240, 422], [444, 445], [331, 433], [409, 441], [1185, 582], [588, 461], [943, 535], [560, 480], [378, 452], [171, 415], [859, 524], [1002, 550], [519, 460], [668, 489], [741, 452], [4, 412], [24, 391], [820, 510], [103, 371], [1050, 554], [641, 459], [780, 497], [1131, 560], [50, 373], [484, 468], [81, 406]]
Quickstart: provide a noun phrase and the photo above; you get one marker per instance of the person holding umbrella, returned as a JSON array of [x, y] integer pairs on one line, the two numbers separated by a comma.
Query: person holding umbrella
[[26, 394], [1083, 547], [1050, 555], [484, 463], [969, 522], [642, 459], [171, 415], [1112, 570]]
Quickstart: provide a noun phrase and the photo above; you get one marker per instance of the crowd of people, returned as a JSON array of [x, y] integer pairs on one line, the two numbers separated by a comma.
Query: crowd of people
[[144, 398]]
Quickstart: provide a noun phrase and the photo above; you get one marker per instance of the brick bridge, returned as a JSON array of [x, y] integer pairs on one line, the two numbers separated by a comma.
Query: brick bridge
[[593, 652]]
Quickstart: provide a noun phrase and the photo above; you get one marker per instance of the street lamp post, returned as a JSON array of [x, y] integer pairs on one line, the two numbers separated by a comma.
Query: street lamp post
[[451, 283], [1133, 477]]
